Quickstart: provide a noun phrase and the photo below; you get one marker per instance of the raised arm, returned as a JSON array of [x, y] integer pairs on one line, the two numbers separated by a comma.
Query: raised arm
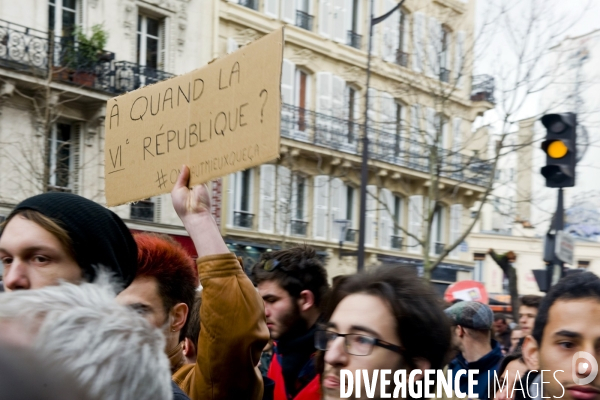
[[233, 328]]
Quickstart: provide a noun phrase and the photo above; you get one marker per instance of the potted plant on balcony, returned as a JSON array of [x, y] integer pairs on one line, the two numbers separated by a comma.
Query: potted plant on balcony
[[81, 54]]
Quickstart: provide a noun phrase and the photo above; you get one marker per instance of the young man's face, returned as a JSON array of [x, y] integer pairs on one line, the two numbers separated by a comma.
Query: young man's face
[[366, 315], [527, 318], [500, 326], [281, 310], [572, 326], [34, 258], [515, 336], [144, 297]]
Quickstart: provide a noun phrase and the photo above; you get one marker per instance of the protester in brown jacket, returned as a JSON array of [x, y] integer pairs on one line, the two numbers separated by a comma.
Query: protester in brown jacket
[[234, 330]]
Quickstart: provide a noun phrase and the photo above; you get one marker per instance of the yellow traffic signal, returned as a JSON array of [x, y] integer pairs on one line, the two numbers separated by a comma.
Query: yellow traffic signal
[[557, 149]]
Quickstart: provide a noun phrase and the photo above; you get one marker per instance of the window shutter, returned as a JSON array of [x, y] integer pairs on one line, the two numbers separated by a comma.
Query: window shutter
[[373, 105], [455, 227], [284, 193], [403, 129], [339, 21], [294, 211], [288, 11], [80, 13], [321, 196], [386, 221], [430, 121], [338, 89], [232, 45], [371, 217], [287, 81], [337, 208], [325, 7], [387, 106], [456, 139], [418, 41], [415, 223], [267, 194], [75, 163], [415, 135], [272, 8], [391, 33], [434, 47], [459, 58], [324, 91]]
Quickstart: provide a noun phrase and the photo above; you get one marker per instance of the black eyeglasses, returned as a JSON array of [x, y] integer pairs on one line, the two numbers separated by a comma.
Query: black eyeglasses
[[355, 344]]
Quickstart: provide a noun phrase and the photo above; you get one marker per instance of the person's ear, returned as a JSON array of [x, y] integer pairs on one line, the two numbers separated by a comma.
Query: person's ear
[[460, 331], [531, 353], [306, 300], [178, 316], [189, 349]]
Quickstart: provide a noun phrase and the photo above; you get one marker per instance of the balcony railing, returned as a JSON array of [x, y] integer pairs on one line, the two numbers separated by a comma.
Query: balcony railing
[[243, 219], [253, 4], [444, 75], [351, 235], [298, 227], [438, 248], [142, 210], [304, 20], [354, 40], [396, 242], [28, 50], [402, 58], [341, 134], [482, 88]]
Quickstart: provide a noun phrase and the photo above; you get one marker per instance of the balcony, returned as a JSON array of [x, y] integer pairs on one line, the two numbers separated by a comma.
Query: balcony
[[401, 58], [351, 235], [444, 75], [304, 20], [28, 50], [252, 4], [396, 242], [298, 228], [438, 248], [482, 88], [354, 40], [142, 210], [243, 219], [333, 132]]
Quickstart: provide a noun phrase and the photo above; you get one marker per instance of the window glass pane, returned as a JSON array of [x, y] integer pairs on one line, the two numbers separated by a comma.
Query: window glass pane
[[245, 195], [68, 22], [51, 16], [349, 203], [69, 4], [151, 52], [62, 148], [300, 199], [152, 26], [140, 23], [139, 49]]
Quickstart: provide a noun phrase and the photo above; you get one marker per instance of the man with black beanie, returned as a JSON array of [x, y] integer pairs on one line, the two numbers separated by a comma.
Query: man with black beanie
[[62, 236]]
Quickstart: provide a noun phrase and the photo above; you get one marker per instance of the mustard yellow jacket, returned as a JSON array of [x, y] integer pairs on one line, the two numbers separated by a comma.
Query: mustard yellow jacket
[[232, 335]]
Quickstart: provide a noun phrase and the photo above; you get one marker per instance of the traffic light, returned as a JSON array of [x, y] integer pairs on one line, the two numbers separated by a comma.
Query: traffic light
[[560, 148]]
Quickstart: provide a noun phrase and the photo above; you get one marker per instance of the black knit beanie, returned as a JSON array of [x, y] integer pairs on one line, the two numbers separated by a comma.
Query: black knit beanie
[[99, 236]]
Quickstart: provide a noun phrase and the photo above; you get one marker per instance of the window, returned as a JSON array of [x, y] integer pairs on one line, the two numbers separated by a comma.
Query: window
[[301, 98], [62, 17], [402, 52], [150, 42], [240, 191], [303, 18], [396, 223], [142, 210], [479, 259], [300, 198], [353, 24], [350, 204], [60, 157], [353, 111]]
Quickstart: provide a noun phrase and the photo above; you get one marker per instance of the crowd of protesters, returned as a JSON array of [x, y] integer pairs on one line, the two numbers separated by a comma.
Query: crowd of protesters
[[91, 311]]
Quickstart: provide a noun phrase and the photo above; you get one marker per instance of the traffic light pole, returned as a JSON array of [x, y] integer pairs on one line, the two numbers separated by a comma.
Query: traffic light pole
[[554, 266]]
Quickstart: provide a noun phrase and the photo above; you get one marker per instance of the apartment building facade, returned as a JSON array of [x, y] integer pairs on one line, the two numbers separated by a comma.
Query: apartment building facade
[[423, 100]]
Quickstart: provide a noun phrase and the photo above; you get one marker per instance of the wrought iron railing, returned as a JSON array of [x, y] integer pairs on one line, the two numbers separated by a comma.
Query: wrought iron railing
[[438, 248], [396, 242], [28, 50], [388, 145], [298, 228], [142, 210], [243, 219], [351, 235], [304, 20], [253, 4], [482, 88], [402, 58], [354, 40]]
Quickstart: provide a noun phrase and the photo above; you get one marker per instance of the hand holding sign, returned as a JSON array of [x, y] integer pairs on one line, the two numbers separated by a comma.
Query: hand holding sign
[[217, 120]]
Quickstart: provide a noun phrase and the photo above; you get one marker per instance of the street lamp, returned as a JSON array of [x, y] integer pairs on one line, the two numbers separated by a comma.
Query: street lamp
[[343, 225], [364, 169]]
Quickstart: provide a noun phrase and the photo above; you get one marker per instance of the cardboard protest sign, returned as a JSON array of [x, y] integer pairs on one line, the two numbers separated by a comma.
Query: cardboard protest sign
[[219, 119]]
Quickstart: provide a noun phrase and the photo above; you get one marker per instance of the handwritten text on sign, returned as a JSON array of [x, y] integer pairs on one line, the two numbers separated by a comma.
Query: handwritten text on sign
[[219, 119]]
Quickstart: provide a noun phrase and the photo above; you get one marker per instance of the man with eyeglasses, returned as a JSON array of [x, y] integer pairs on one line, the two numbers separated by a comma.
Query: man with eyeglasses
[[384, 319], [472, 337], [292, 283]]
